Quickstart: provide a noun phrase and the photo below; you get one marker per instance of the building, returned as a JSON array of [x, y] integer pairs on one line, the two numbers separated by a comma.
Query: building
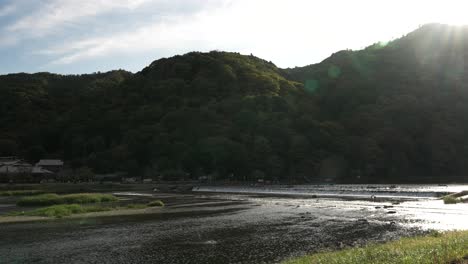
[[9, 160], [38, 172], [16, 170], [54, 166]]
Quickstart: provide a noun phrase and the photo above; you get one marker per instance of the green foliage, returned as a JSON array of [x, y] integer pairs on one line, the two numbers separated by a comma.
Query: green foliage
[[136, 206], [52, 198], [451, 200], [394, 112], [156, 203], [444, 248], [402, 106], [455, 198], [63, 210]]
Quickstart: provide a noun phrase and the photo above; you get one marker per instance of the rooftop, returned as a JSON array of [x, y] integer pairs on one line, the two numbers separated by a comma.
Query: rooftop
[[50, 163]]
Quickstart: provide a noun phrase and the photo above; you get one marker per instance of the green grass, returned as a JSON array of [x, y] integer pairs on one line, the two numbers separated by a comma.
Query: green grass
[[454, 198], [451, 200], [62, 210], [20, 192], [52, 199], [155, 203], [439, 248], [136, 206], [460, 194]]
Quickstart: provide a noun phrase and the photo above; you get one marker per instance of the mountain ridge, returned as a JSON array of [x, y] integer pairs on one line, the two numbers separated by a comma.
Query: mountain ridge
[[387, 113]]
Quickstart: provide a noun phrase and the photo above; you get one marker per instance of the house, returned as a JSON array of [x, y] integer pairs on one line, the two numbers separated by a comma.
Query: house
[[9, 160], [38, 172], [54, 166], [15, 170]]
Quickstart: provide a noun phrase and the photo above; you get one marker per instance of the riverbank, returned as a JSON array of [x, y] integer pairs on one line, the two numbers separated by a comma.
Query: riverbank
[[109, 213], [199, 227], [448, 247]]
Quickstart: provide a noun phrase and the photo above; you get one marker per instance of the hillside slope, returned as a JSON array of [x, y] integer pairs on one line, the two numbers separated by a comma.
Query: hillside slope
[[403, 104], [217, 113], [388, 113]]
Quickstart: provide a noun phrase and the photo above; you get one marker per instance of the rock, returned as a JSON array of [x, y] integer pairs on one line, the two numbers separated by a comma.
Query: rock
[[378, 207]]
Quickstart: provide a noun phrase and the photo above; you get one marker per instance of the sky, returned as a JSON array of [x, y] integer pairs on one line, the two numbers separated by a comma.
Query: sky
[[84, 36]]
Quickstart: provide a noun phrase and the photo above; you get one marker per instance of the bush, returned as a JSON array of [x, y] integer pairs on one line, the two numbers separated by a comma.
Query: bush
[[451, 200], [156, 203], [52, 198]]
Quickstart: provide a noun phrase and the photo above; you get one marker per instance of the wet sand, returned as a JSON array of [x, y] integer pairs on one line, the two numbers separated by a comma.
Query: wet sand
[[222, 228]]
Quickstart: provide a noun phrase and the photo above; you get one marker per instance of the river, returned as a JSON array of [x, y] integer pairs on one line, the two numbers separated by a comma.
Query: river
[[239, 224]]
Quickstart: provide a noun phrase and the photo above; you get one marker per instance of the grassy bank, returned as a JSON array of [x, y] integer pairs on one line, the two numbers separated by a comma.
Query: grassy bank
[[450, 247], [20, 192], [455, 198], [62, 210], [53, 199]]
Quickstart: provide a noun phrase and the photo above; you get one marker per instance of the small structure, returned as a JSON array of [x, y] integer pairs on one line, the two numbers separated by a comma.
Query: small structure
[[15, 170], [38, 172], [12, 161], [54, 166]]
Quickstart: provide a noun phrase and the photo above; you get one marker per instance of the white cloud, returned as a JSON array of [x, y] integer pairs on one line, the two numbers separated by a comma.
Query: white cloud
[[284, 31], [55, 13], [288, 32]]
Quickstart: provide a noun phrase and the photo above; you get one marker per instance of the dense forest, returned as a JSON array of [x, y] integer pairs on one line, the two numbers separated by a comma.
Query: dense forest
[[391, 112]]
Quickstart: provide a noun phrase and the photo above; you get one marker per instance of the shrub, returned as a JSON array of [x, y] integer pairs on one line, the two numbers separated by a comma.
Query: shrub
[[451, 200], [156, 203]]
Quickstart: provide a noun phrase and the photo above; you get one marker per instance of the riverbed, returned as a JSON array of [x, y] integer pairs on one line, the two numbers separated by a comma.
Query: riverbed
[[215, 225]]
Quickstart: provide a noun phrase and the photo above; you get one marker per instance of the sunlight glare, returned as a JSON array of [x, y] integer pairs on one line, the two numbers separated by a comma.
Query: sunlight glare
[[448, 12]]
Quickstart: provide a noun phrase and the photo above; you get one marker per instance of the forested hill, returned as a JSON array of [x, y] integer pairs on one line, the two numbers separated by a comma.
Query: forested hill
[[389, 113], [403, 104]]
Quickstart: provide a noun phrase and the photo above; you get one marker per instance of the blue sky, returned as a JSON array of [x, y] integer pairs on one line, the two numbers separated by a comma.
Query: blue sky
[[83, 36]]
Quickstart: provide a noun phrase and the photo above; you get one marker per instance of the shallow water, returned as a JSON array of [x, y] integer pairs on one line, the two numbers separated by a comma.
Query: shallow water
[[407, 191], [227, 228]]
